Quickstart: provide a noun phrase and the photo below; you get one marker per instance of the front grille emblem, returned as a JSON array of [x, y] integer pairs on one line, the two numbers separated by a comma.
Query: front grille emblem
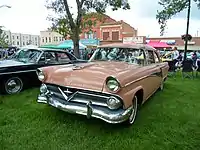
[[68, 92], [63, 94]]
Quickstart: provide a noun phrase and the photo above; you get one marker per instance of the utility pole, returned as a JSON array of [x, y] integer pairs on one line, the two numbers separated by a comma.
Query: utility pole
[[187, 30]]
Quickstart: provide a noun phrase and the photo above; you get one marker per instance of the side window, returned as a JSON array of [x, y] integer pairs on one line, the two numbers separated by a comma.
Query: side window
[[156, 57], [63, 57], [150, 57], [51, 58]]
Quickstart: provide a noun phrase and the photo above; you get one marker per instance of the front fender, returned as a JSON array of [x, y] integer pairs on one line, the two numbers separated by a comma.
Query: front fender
[[128, 94]]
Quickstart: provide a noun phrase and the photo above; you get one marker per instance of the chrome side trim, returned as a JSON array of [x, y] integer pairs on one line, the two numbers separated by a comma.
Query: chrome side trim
[[141, 78], [135, 81], [17, 72]]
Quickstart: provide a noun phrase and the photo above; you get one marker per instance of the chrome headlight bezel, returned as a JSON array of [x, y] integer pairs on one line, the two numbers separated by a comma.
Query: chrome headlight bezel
[[112, 84], [113, 103], [41, 75], [43, 89]]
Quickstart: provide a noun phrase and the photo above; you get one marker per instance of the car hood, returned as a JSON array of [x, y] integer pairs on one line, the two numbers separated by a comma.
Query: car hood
[[86, 75], [11, 63]]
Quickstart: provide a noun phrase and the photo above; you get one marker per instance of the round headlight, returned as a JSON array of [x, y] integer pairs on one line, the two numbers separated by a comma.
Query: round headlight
[[113, 103], [113, 85], [43, 88], [41, 75]]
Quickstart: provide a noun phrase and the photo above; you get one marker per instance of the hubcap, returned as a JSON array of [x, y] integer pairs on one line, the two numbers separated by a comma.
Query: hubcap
[[134, 111], [13, 85]]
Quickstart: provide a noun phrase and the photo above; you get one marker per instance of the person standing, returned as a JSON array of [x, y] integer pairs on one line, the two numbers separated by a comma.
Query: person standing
[[194, 59], [175, 54]]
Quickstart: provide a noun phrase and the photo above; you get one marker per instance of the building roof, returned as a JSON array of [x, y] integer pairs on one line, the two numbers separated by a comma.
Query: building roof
[[117, 23]]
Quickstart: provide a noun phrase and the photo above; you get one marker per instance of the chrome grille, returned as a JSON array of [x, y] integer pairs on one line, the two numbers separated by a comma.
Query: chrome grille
[[78, 95]]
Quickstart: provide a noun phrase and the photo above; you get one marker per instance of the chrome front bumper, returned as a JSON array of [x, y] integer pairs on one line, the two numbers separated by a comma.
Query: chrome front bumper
[[89, 110]]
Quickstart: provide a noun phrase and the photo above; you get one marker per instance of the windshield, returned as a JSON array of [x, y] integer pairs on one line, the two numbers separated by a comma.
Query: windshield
[[27, 55], [133, 56]]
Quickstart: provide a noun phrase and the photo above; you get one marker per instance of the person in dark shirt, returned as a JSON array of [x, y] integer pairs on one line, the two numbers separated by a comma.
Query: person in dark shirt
[[194, 58]]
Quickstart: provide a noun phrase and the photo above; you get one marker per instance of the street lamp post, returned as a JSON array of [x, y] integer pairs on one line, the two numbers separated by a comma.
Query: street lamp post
[[5, 6], [187, 30]]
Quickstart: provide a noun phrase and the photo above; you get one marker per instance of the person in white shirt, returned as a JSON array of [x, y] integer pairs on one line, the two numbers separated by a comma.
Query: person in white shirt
[[175, 53]]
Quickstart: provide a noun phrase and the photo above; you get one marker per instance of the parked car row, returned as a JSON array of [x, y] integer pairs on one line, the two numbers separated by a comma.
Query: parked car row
[[110, 86]]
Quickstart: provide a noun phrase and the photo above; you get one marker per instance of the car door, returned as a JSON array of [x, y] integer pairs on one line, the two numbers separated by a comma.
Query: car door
[[48, 58], [154, 72], [63, 58], [162, 65]]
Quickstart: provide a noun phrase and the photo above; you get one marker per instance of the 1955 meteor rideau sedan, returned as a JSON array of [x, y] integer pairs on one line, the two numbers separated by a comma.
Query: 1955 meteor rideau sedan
[[116, 80]]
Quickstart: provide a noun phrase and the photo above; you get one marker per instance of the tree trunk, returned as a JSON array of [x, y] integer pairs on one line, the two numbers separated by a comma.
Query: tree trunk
[[76, 47], [76, 39]]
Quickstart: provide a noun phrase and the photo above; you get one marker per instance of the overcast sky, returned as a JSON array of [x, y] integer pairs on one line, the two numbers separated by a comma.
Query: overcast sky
[[29, 16]]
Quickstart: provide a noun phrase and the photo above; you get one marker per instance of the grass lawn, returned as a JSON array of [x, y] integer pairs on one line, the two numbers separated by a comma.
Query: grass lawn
[[169, 120]]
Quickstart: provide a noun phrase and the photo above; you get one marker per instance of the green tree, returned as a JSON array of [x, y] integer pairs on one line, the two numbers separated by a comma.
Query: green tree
[[66, 23], [3, 41], [170, 9]]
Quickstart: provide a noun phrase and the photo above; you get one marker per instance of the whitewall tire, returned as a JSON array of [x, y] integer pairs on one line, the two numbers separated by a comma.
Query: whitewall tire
[[134, 111], [13, 85]]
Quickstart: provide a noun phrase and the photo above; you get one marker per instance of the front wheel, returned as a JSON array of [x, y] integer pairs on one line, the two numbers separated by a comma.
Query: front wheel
[[134, 111], [13, 85]]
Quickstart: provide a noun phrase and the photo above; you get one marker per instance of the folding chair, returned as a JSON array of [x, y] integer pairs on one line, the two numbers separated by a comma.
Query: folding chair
[[172, 68], [187, 69]]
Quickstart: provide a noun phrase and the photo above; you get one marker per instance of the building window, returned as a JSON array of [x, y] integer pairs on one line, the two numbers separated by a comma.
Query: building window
[[35, 39], [17, 37], [17, 43], [95, 35], [23, 38], [13, 37], [46, 40], [90, 35], [42, 40], [60, 38], [23, 43], [50, 39], [105, 35], [115, 36], [13, 42], [56, 39], [86, 35]]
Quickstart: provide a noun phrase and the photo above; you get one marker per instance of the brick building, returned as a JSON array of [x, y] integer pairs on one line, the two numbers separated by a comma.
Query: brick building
[[94, 32], [108, 31], [115, 32]]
